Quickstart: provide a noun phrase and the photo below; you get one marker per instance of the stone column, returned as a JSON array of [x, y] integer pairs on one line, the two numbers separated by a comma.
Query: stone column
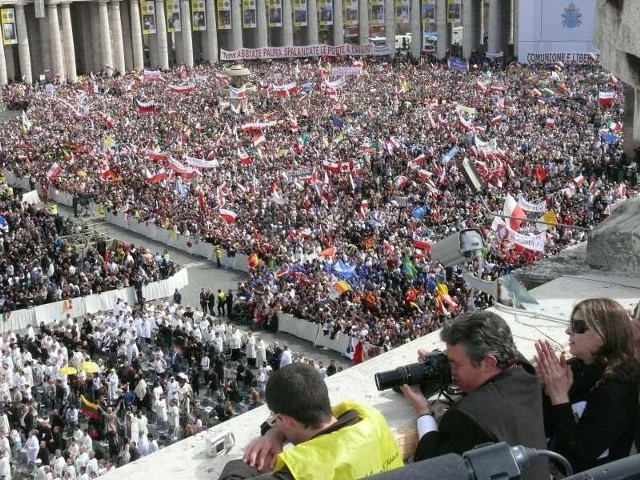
[[443, 29], [416, 29], [116, 34], [390, 25], [236, 25], [187, 39], [56, 42], [287, 23], [136, 35], [262, 27], [468, 34], [312, 22], [95, 33], [45, 50], [67, 41], [338, 23], [106, 53], [495, 27], [516, 24], [161, 34], [477, 15], [23, 44], [212, 32], [3, 67], [363, 22]]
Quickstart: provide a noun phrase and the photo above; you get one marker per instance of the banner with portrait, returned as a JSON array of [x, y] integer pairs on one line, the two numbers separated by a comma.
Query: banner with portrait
[[174, 22], [402, 12], [148, 12], [249, 14], [376, 17], [351, 18], [454, 10], [428, 14], [9, 34], [224, 14], [198, 16], [300, 13], [274, 13], [326, 12]]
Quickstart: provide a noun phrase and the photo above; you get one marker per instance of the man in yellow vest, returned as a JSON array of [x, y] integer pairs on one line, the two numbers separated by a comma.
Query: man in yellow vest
[[344, 442]]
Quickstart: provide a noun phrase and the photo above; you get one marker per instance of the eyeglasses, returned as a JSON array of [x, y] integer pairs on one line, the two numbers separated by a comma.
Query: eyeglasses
[[272, 419], [579, 326]]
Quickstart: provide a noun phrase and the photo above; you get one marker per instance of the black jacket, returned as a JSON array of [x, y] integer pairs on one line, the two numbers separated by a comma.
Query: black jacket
[[508, 408], [606, 424]]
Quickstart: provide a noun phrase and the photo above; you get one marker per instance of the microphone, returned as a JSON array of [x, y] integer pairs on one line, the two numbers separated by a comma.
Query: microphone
[[446, 467], [627, 468]]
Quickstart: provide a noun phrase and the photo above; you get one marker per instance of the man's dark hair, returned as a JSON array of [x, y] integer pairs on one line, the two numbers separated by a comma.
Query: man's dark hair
[[482, 333], [299, 391]]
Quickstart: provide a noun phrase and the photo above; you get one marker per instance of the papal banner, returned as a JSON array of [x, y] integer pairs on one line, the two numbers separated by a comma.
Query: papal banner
[[224, 14], [299, 13], [274, 13], [326, 12], [148, 12], [174, 23], [376, 17], [454, 10], [428, 14], [9, 36], [198, 16], [402, 12], [249, 14], [350, 13]]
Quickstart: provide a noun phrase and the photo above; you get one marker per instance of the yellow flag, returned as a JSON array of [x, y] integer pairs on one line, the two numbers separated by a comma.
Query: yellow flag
[[550, 217]]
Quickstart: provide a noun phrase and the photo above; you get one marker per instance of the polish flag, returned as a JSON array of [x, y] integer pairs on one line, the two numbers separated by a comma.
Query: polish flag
[[285, 90], [228, 216], [157, 156], [153, 76], [294, 126], [258, 139], [515, 211], [158, 177], [579, 180], [145, 107], [54, 171], [606, 98], [388, 247], [550, 123], [420, 159], [244, 157], [559, 65]]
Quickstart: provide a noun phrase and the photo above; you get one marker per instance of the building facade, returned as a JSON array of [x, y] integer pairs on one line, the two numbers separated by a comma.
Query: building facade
[[44, 39]]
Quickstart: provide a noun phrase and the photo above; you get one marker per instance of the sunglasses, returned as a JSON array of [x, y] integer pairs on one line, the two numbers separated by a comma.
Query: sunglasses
[[579, 326]]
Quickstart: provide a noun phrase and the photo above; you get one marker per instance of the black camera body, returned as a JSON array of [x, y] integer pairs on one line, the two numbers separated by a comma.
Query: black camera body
[[432, 374]]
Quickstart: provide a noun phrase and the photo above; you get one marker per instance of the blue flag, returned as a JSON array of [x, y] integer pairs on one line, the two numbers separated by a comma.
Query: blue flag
[[337, 122]]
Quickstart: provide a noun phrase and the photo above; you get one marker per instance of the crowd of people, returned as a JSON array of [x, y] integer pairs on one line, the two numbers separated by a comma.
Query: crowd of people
[[156, 374], [337, 178], [40, 261]]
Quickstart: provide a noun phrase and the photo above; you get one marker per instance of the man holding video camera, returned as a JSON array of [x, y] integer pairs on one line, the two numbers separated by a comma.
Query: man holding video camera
[[502, 401]]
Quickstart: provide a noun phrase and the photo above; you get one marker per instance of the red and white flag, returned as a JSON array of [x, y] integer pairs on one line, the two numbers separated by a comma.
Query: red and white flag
[[286, 90], [157, 156], [54, 171], [606, 98], [145, 107], [153, 76], [516, 213], [184, 88], [155, 178], [244, 157], [258, 139], [580, 180], [228, 216]]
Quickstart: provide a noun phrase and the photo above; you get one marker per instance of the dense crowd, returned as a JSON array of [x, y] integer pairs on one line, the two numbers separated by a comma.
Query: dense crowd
[[40, 262], [81, 397], [338, 179]]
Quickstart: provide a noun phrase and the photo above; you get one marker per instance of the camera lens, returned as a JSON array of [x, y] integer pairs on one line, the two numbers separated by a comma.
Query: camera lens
[[413, 374]]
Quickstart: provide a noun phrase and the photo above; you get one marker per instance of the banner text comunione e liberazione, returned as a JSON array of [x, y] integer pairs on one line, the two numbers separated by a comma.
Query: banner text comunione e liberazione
[[539, 58], [303, 51]]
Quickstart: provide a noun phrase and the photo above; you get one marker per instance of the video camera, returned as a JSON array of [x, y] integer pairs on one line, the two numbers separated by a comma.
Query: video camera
[[432, 374]]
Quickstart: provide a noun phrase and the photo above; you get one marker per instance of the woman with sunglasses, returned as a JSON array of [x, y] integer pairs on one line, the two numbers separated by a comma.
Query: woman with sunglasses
[[591, 400]]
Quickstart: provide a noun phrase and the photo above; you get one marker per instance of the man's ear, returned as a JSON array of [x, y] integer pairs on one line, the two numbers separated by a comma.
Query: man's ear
[[490, 362]]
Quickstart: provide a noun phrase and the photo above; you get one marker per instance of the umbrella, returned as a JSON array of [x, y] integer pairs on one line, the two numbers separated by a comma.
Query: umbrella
[[67, 370], [89, 367]]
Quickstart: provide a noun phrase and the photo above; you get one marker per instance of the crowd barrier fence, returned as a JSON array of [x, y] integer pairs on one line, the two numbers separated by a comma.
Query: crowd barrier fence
[[80, 306]]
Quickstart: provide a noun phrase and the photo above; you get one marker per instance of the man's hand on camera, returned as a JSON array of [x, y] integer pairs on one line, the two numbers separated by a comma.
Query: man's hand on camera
[[262, 453], [416, 399]]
